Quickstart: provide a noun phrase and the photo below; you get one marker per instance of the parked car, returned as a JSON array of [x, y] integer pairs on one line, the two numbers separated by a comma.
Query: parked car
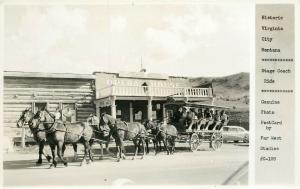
[[235, 134]]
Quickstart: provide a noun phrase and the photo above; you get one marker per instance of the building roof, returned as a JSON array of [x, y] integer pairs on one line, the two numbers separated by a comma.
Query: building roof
[[159, 75], [48, 75]]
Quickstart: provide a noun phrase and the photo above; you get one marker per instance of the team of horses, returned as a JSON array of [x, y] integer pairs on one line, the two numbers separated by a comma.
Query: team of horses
[[57, 134]]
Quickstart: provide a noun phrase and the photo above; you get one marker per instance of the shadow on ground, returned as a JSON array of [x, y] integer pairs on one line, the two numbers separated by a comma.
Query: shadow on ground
[[31, 164]]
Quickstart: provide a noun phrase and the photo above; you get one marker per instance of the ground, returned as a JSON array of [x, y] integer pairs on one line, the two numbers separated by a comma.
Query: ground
[[203, 167]]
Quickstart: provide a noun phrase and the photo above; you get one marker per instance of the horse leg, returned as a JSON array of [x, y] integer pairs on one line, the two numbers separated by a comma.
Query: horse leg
[[143, 145], [165, 145], [54, 163], [160, 147], [139, 146], [75, 151], [41, 147], [59, 152], [122, 149], [172, 146], [136, 148], [101, 146], [63, 150], [85, 153], [42, 151], [155, 146], [107, 148], [118, 153], [90, 152], [147, 145]]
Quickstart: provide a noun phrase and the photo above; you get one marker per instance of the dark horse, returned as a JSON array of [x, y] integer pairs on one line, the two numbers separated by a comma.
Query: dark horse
[[38, 132], [59, 133], [165, 133], [123, 131]]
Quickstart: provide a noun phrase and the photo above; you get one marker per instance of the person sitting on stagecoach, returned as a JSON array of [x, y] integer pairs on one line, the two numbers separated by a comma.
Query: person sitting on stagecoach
[[200, 117], [200, 114], [207, 117], [182, 119], [177, 115], [217, 120], [190, 119], [224, 119], [211, 120]]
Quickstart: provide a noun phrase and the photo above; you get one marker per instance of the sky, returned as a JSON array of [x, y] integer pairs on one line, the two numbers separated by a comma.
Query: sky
[[175, 39]]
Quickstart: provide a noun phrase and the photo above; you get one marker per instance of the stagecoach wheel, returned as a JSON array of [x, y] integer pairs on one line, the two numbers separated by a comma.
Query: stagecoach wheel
[[216, 141], [194, 142]]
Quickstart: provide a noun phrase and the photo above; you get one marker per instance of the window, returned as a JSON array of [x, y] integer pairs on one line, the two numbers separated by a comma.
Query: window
[[39, 106]]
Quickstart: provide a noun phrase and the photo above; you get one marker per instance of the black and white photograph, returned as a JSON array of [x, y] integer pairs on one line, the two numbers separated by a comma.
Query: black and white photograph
[[126, 93]]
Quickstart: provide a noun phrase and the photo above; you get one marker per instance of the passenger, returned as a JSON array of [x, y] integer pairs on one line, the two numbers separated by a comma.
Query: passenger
[[210, 121], [182, 119], [190, 119], [184, 112], [217, 120], [177, 115], [207, 117], [224, 118], [200, 116]]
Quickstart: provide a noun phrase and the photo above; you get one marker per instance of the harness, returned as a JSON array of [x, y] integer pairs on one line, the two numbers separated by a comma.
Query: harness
[[53, 128], [164, 132], [138, 135]]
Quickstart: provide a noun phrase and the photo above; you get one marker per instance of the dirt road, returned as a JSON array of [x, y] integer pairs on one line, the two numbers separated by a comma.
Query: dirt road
[[193, 168]]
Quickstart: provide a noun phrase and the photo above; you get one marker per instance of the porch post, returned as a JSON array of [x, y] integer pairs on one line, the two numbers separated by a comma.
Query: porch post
[[130, 112], [150, 109], [164, 114], [97, 108], [113, 107]]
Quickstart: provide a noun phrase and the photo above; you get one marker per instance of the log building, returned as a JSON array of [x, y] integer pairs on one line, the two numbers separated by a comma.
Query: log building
[[35, 90]]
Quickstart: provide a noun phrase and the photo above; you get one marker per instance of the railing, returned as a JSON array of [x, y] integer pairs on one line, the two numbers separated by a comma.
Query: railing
[[153, 91]]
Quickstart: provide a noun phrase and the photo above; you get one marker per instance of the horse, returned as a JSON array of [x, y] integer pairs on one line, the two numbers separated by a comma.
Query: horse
[[165, 133], [152, 128], [59, 133], [38, 132], [123, 131]]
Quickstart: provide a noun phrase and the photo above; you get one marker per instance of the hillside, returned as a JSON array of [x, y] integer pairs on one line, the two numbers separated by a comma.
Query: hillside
[[232, 86], [231, 91]]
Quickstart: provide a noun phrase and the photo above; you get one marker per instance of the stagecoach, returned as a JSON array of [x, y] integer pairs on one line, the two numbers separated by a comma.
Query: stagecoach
[[194, 137]]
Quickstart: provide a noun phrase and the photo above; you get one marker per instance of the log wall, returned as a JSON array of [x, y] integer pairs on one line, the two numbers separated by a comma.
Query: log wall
[[20, 93]]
